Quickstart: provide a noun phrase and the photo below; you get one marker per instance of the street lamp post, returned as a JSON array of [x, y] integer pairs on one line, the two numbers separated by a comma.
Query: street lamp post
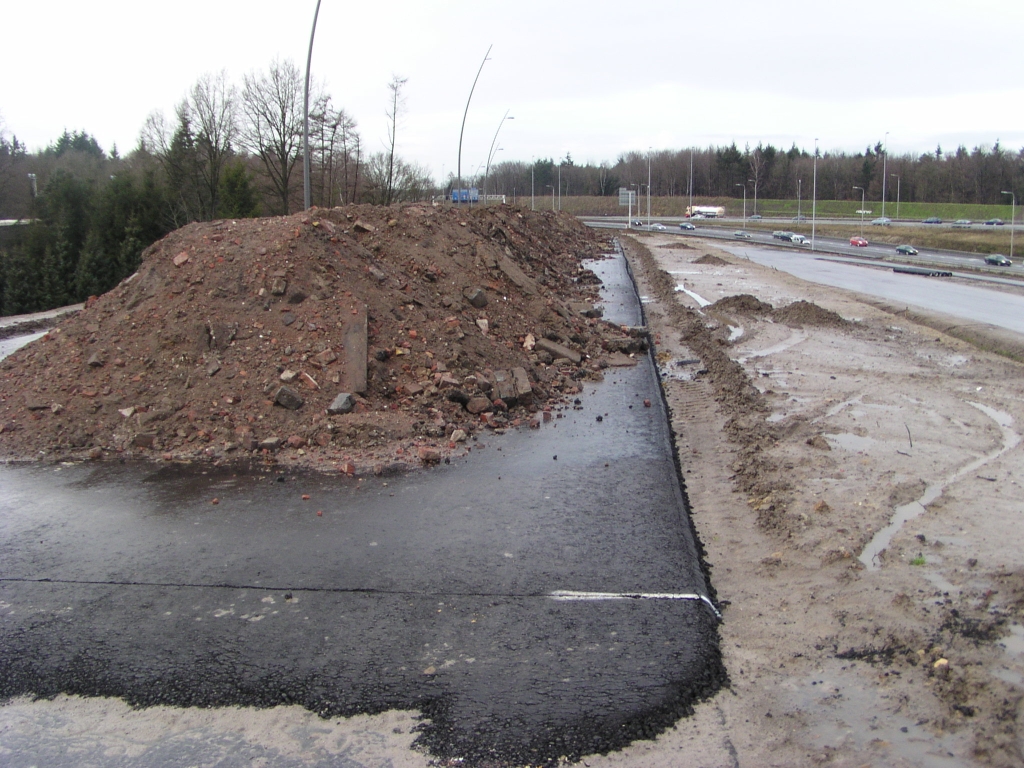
[[897, 195], [744, 204], [490, 154], [885, 157], [691, 182], [648, 188], [306, 193], [814, 193], [755, 194], [861, 210], [559, 186], [533, 164], [799, 187], [466, 112], [1013, 212]]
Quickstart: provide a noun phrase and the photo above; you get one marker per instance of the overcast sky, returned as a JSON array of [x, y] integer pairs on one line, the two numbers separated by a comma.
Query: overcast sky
[[594, 79]]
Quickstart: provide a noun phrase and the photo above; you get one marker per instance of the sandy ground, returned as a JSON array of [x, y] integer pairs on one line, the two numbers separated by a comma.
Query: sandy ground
[[911, 659], [916, 659]]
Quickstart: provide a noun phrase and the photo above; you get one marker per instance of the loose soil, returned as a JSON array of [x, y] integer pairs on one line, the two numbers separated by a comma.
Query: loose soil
[[233, 339], [804, 418], [800, 433]]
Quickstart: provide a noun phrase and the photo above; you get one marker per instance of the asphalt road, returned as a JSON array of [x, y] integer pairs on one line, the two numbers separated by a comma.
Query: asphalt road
[[541, 597], [999, 308]]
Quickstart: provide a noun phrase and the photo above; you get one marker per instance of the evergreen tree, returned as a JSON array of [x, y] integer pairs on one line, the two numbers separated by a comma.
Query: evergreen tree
[[237, 194]]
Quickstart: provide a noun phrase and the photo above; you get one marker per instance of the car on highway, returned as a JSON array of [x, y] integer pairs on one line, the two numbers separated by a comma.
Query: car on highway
[[741, 234], [932, 220], [800, 218], [997, 260], [637, 223], [962, 224], [881, 221], [995, 222], [780, 234], [755, 217], [798, 239], [698, 216], [858, 241], [686, 225], [906, 250], [658, 226]]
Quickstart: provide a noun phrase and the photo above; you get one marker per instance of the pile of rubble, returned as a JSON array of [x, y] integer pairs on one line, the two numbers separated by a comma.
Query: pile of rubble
[[348, 339]]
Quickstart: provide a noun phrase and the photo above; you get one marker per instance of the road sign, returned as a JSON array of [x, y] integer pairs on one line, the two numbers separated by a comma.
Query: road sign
[[626, 196]]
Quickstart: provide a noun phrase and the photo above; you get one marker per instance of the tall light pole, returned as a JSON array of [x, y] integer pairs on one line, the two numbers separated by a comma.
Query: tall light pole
[[691, 182], [648, 187], [490, 153], [897, 195], [755, 193], [559, 186], [1013, 212], [466, 112], [533, 165], [861, 210], [744, 204], [814, 193], [306, 193], [885, 157], [799, 184]]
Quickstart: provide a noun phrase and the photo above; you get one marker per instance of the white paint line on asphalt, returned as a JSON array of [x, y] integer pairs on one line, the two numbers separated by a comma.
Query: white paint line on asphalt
[[566, 594]]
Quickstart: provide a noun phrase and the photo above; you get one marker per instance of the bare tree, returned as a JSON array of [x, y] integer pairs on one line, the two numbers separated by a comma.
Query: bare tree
[[271, 107], [212, 103], [397, 103], [333, 153]]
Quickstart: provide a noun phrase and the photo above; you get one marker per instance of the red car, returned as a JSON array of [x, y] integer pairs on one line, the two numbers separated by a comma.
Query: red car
[[858, 241]]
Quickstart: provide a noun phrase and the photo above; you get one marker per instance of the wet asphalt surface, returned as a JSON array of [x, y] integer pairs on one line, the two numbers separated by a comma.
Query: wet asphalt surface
[[429, 591]]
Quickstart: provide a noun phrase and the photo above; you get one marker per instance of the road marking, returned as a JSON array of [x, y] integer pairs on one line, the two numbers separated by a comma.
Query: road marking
[[566, 594]]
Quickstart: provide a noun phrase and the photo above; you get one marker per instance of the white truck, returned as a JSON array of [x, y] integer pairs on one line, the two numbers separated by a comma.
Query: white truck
[[705, 211]]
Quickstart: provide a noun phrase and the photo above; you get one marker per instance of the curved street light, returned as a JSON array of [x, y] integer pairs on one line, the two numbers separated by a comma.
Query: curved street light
[[466, 112], [885, 157], [490, 153], [306, 194]]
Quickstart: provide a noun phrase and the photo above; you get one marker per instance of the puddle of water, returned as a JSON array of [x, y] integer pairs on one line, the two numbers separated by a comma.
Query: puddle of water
[[795, 338], [1013, 646], [701, 301], [13, 344], [860, 717], [678, 370], [869, 557], [850, 442]]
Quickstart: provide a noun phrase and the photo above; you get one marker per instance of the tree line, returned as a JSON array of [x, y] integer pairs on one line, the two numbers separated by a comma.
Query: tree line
[[236, 150], [229, 151], [979, 175]]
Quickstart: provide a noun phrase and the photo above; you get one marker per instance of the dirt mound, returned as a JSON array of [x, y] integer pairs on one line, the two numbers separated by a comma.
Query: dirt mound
[[742, 303], [806, 313], [678, 247], [707, 258], [234, 339]]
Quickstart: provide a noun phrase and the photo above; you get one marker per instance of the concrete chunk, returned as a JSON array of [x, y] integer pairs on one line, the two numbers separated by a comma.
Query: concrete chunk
[[355, 351], [343, 403], [288, 398], [557, 350]]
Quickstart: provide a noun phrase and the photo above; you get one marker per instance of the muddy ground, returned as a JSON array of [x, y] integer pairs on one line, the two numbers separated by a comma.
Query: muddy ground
[[805, 417], [801, 432]]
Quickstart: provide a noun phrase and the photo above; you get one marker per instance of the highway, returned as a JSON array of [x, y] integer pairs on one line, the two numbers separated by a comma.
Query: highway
[[724, 229]]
